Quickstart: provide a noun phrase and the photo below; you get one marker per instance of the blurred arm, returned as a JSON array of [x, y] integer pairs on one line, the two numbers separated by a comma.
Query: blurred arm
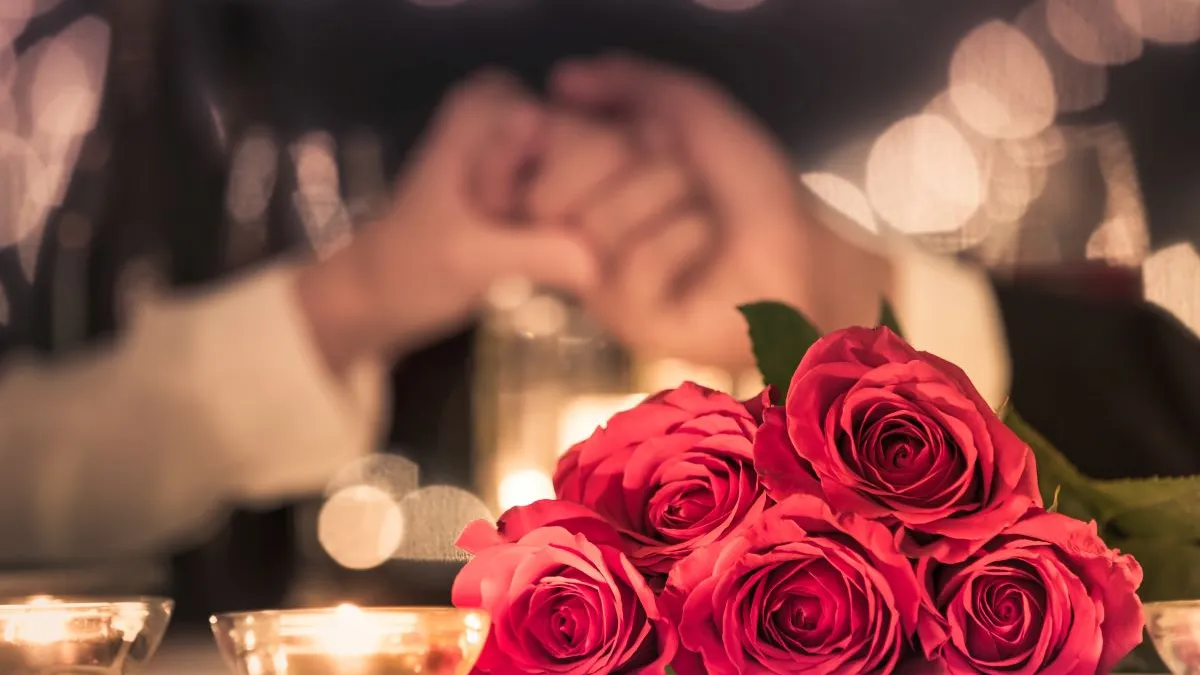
[[210, 399]]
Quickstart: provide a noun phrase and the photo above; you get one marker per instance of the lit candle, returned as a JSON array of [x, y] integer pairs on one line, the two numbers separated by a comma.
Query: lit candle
[[46, 635], [584, 414], [352, 641]]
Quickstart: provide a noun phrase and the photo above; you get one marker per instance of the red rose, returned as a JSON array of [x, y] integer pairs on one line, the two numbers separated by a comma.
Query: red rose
[[673, 474], [773, 441], [561, 603], [1046, 596], [800, 591], [901, 436]]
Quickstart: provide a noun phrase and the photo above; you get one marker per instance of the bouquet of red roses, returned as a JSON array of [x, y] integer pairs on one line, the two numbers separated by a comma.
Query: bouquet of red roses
[[867, 513]]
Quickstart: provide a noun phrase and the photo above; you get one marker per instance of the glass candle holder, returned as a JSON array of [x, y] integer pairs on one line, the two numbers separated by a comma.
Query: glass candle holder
[[545, 377], [347, 640], [48, 635]]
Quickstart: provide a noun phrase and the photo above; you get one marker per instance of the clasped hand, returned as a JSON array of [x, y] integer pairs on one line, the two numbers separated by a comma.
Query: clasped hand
[[644, 191]]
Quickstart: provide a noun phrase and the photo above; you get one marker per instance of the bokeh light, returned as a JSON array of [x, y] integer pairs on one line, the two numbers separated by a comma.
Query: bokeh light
[[1044, 150], [842, 196], [1092, 31], [360, 527], [1123, 237], [1009, 186], [579, 420], [252, 176], [1078, 85], [506, 295], [318, 198], [525, 486], [434, 517], [1000, 84], [542, 315], [1166, 21], [922, 176], [1171, 278], [390, 473]]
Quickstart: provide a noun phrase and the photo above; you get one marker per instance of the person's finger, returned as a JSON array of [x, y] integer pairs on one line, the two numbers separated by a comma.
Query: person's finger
[[652, 191], [504, 157], [547, 257], [467, 118], [579, 157], [739, 163], [664, 258]]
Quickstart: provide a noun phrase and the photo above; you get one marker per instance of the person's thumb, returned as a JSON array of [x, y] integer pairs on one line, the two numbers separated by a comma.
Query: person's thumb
[[547, 257]]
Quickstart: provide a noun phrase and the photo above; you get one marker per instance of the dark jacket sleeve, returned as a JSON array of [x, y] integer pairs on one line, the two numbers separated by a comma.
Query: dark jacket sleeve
[[1115, 385]]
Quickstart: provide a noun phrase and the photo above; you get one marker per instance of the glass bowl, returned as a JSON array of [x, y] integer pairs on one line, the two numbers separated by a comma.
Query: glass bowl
[[45, 634], [1174, 629], [347, 640]]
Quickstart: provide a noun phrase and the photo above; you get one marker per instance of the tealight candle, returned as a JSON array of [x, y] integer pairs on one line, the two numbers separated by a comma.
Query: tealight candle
[[45, 635], [348, 640]]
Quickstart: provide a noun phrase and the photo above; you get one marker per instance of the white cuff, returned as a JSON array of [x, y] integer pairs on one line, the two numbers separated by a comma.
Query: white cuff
[[949, 309]]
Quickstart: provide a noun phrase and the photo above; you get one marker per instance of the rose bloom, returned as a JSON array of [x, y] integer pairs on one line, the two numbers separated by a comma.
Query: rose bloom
[[560, 601], [1045, 596], [902, 436], [674, 474], [800, 591]]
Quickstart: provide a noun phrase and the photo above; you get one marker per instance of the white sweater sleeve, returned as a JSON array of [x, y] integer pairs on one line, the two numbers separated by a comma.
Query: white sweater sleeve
[[205, 401]]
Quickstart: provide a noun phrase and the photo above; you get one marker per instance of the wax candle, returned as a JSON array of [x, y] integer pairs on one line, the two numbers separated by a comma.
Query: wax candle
[[352, 641]]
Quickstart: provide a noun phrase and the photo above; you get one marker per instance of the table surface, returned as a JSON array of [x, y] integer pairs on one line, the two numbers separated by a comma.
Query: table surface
[[187, 655]]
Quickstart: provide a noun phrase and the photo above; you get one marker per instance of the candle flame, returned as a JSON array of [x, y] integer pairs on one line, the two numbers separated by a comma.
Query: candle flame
[[350, 632]]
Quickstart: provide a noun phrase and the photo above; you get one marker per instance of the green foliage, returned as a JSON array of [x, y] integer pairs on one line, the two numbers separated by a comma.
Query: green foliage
[[1156, 520], [1132, 508], [887, 317], [781, 335]]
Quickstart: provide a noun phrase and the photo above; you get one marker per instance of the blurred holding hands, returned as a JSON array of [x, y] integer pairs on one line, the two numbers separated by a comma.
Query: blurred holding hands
[[644, 191]]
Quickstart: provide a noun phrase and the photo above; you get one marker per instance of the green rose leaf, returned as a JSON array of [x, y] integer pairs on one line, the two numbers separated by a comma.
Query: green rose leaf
[[1060, 483], [1136, 507], [887, 317], [780, 335]]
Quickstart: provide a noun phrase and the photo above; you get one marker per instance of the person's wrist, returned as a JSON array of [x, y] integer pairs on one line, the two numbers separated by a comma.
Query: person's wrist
[[347, 324], [850, 274]]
